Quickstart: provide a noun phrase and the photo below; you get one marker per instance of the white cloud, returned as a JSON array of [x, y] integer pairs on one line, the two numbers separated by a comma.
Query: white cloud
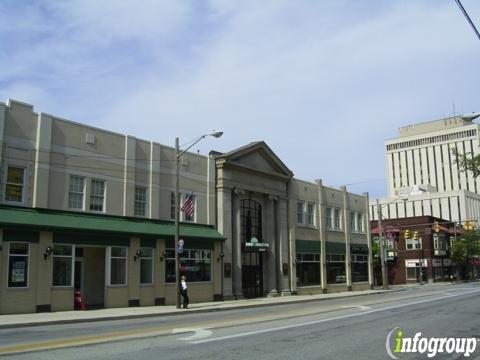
[[324, 83]]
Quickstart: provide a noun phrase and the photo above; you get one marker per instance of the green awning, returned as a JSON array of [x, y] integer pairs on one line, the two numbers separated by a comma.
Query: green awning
[[307, 246], [335, 248], [62, 221]]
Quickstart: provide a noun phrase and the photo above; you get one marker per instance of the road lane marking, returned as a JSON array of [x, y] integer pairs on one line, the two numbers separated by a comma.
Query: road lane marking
[[292, 326], [361, 307], [198, 333]]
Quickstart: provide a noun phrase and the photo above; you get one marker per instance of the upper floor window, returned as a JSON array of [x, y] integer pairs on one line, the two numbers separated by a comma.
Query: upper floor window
[[310, 214], [300, 210], [329, 215], [337, 223], [76, 192], [412, 244], [97, 195], [140, 208], [15, 184], [360, 225]]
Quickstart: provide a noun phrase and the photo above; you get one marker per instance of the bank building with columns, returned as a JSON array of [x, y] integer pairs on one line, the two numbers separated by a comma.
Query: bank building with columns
[[91, 210]]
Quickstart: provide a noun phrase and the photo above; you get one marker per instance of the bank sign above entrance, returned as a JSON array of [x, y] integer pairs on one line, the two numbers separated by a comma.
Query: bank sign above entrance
[[254, 246]]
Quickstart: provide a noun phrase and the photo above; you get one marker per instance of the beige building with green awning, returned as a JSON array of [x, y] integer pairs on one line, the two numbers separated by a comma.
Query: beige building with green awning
[[91, 211]]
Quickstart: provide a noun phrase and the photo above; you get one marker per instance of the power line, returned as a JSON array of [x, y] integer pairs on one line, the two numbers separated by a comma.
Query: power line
[[462, 9]]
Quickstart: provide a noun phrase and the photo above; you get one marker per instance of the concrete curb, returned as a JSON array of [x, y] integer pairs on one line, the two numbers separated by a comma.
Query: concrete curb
[[211, 308]]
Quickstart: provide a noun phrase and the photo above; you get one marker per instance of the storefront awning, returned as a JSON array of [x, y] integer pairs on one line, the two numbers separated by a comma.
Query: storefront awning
[[63, 221]]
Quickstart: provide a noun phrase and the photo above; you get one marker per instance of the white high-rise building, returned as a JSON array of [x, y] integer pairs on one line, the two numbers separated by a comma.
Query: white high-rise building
[[423, 176], [423, 155]]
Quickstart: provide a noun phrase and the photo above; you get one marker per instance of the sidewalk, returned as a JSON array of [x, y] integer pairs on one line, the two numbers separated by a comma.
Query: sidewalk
[[66, 317]]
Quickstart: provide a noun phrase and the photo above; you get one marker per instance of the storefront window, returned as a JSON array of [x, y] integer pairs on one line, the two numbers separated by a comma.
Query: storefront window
[[359, 268], [194, 264], [62, 265], [118, 265], [18, 264], [308, 269], [336, 269], [146, 266]]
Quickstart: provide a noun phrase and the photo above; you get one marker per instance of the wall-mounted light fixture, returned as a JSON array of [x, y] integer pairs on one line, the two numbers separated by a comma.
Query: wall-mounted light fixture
[[220, 256], [48, 252], [137, 254], [163, 255]]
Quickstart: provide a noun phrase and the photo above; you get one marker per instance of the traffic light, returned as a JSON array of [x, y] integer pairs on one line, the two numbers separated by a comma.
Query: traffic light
[[436, 227], [407, 234], [469, 225], [416, 235]]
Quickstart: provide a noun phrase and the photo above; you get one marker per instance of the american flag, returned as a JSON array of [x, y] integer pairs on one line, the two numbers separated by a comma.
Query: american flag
[[187, 206]]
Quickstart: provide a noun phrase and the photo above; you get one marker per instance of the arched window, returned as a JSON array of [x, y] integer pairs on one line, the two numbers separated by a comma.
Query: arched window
[[251, 220]]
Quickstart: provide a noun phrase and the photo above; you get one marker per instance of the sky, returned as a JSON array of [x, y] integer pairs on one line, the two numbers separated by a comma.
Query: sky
[[323, 82]]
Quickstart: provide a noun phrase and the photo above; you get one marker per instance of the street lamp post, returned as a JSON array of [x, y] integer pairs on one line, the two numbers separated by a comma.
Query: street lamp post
[[178, 155]]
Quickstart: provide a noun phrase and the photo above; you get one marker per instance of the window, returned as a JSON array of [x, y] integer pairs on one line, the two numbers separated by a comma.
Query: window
[[336, 219], [15, 184], [118, 265], [300, 207], [310, 214], [62, 265], [412, 244], [359, 268], [18, 264], [146, 266], [250, 220], [353, 221], [336, 269], [194, 264], [75, 192], [360, 227], [140, 208], [97, 196], [308, 269], [329, 217]]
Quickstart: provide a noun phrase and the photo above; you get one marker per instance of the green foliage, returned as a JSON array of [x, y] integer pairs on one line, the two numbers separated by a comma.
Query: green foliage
[[466, 247], [468, 162]]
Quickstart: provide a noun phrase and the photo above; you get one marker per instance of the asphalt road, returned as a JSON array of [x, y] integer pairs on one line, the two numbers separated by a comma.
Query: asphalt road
[[349, 328]]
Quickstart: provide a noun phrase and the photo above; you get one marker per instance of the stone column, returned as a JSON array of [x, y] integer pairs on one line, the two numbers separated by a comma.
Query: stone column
[[322, 234], [282, 246], [269, 216], [236, 246], [224, 204], [348, 236], [366, 226], [292, 236]]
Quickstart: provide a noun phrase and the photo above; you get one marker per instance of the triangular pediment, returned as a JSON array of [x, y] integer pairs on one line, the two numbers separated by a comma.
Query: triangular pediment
[[259, 157]]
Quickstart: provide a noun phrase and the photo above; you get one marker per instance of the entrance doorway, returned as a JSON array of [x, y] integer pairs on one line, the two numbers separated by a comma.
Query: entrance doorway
[[252, 258], [252, 274], [90, 275]]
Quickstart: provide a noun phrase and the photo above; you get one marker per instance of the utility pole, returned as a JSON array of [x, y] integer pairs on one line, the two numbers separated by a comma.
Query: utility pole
[[382, 247]]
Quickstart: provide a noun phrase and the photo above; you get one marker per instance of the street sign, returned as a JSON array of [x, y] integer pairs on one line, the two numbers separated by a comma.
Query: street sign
[[180, 246]]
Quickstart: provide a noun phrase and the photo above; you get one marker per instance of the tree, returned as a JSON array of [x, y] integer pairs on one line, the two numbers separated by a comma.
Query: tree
[[465, 249], [468, 162]]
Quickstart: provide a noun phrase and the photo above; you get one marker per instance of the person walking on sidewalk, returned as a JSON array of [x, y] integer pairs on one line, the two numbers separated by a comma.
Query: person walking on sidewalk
[[183, 291]]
